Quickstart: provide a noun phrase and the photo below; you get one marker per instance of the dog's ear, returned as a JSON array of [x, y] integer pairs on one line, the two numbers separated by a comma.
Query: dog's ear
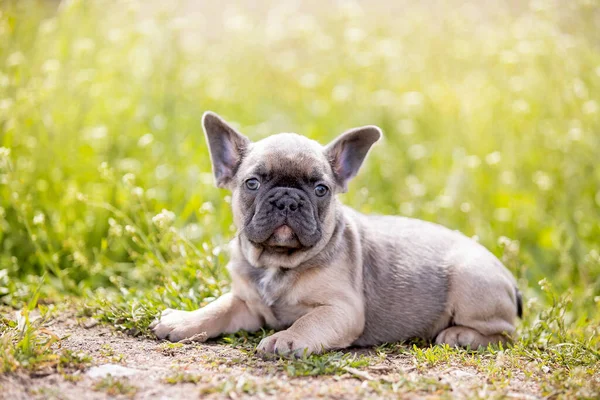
[[227, 147], [347, 153]]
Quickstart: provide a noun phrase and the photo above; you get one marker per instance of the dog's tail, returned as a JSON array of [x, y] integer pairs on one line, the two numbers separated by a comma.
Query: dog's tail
[[519, 303]]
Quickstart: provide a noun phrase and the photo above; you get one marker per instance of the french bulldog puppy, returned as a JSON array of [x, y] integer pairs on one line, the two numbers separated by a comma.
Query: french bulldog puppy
[[327, 277]]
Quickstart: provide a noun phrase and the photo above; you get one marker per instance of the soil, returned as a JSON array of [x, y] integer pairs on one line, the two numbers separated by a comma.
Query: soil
[[226, 371]]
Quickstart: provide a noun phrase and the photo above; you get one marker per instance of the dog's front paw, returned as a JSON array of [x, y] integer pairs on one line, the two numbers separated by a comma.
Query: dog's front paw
[[177, 325], [285, 343]]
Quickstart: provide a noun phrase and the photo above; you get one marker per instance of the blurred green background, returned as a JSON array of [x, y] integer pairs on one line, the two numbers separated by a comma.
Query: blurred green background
[[491, 116]]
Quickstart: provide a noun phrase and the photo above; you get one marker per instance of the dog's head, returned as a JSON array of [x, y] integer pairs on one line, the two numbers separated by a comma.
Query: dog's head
[[283, 188]]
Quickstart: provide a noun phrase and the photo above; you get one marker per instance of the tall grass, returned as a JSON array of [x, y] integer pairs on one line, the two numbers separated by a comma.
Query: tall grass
[[491, 117]]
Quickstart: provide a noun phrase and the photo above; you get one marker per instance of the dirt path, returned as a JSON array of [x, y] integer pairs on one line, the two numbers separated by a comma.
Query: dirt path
[[224, 371]]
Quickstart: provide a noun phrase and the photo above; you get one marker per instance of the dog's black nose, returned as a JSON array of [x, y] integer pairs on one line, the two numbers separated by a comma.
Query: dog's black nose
[[286, 203]]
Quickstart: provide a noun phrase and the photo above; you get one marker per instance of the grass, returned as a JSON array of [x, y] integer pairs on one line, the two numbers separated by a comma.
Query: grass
[[115, 386], [25, 344], [491, 128], [182, 377], [333, 363]]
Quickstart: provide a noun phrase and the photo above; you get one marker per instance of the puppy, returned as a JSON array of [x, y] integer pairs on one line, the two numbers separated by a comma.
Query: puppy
[[327, 277]]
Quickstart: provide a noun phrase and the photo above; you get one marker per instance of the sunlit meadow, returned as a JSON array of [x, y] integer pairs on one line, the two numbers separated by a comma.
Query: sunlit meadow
[[491, 117]]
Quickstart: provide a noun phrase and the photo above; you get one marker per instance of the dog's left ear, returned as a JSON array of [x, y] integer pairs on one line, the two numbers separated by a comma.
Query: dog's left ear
[[347, 153], [227, 147]]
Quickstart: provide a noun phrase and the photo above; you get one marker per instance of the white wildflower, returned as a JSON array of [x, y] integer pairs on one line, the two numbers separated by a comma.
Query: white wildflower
[[39, 218], [6, 104], [465, 207], [574, 133], [521, 107], [509, 57], [94, 133], [407, 208], [413, 100], [406, 126], [104, 170], [354, 35], [590, 107], [384, 98], [493, 158], [128, 179], [164, 219], [4, 158], [502, 214], [83, 45], [145, 140], [444, 201], [507, 177], [115, 35], [81, 197], [473, 161], [543, 180], [79, 258], [341, 93], [237, 22], [50, 66], [417, 151], [47, 26], [207, 207], [15, 59], [159, 122], [115, 229], [309, 80], [137, 191]]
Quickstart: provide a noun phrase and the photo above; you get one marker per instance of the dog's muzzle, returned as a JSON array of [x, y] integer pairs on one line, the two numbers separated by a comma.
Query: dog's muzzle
[[284, 219]]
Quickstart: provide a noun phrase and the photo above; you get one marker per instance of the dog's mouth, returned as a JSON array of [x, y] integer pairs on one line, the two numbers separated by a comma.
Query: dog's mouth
[[283, 240], [287, 238]]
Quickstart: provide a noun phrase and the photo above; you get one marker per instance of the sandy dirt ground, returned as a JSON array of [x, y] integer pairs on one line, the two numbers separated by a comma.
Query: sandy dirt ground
[[144, 366]]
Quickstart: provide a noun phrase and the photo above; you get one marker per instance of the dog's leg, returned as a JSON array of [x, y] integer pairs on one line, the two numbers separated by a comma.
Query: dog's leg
[[324, 328], [462, 336], [227, 314], [483, 304]]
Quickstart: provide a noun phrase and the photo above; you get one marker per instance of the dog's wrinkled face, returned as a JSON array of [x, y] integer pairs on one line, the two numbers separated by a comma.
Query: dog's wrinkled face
[[283, 188], [284, 192]]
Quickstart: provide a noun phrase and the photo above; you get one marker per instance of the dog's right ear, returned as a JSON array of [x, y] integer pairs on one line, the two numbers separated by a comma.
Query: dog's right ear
[[227, 147]]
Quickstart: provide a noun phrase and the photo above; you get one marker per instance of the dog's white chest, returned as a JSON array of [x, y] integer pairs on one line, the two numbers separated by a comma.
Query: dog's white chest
[[276, 290], [272, 285]]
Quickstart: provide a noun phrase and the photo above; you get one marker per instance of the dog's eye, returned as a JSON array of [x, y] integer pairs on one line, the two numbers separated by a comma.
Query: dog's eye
[[252, 184], [321, 190]]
